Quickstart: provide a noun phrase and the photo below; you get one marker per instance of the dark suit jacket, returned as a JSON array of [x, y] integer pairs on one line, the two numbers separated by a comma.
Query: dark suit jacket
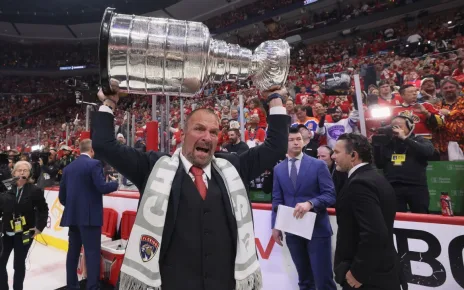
[[81, 192], [313, 184], [32, 206], [137, 166], [366, 209]]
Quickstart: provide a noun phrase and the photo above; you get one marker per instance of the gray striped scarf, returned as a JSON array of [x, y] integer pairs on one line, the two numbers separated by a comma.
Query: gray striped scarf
[[140, 269]]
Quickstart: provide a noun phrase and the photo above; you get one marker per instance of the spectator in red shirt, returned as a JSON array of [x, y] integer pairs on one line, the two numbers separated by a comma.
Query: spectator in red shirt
[[254, 135], [256, 107], [386, 97], [425, 116]]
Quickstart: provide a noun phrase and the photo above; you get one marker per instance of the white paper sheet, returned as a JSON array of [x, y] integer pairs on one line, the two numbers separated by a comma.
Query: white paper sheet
[[301, 227]]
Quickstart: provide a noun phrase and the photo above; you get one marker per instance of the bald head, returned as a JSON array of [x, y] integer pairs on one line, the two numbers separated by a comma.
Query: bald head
[[204, 111]]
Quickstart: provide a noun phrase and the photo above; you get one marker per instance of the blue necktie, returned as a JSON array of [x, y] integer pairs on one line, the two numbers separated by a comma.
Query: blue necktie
[[293, 172]]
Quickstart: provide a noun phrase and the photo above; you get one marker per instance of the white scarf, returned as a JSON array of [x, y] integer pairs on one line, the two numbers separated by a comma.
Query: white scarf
[[140, 269]]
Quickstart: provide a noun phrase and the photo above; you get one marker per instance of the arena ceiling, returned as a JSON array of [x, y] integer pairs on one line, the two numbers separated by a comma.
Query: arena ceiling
[[71, 19]]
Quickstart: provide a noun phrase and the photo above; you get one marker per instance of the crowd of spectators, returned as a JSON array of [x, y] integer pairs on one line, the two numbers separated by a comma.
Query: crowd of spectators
[[38, 55], [383, 70], [309, 20], [260, 7]]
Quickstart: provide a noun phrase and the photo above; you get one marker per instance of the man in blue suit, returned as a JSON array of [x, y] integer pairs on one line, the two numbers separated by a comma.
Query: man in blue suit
[[81, 192], [304, 183]]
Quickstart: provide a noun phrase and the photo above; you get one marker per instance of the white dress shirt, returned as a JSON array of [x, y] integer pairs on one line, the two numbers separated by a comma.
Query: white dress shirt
[[356, 167], [297, 164], [187, 165]]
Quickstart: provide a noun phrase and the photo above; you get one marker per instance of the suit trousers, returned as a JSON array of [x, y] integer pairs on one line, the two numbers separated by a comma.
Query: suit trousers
[[417, 198], [90, 237], [15, 243], [363, 287], [313, 262]]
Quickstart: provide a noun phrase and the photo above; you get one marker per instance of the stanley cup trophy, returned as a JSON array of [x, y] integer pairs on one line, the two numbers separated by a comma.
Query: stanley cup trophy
[[158, 56]]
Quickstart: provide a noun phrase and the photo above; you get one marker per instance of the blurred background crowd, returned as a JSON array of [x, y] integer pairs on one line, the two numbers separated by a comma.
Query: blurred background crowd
[[415, 64]]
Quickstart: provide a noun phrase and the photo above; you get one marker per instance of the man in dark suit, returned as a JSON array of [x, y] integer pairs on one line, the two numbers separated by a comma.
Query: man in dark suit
[[304, 182], [81, 192], [199, 240], [365, 254]]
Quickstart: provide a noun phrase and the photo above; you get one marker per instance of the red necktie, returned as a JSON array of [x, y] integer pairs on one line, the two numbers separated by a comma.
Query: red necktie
[[199, 182]]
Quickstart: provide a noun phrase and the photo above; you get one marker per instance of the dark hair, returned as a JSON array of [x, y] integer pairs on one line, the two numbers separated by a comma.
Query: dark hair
[[403, 88], [384, 82], [299, 126], [357, 143], [294, 130]]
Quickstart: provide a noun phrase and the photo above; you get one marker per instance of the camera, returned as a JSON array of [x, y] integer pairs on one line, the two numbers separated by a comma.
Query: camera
[[36, 156]]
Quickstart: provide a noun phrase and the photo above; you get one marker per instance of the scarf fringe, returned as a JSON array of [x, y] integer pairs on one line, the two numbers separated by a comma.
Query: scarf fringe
[[129, 282], [252, 282]]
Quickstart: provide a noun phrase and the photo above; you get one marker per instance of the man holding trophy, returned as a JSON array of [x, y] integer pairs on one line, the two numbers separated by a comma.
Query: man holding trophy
[[194, 227]]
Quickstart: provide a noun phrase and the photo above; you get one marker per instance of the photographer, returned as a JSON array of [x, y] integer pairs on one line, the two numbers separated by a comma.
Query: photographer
[[403, 157], [49, 168], [25, 214]]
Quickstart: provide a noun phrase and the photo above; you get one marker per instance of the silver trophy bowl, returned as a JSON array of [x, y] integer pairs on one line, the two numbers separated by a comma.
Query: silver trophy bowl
[[153, 56]]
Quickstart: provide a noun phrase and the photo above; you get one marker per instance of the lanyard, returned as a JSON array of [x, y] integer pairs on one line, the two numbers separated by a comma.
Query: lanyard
[[19, 194]]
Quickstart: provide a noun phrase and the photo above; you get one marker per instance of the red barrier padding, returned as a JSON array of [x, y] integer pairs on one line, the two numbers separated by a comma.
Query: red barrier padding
[[110, 222], [152, 136], [410, 217], [127, 222]]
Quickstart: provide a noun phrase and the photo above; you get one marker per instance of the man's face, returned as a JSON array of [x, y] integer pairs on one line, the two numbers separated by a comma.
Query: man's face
[[295, 144], [225, 124], [410, 95], [233, 138], [449, 91], [289, 105], [429, 86], [400, 123], [337, 115], [225, 110], [324, 155], [234, 114], [300, 114], [385, 90], [319, 108], [341, 157], [52, 155], [304, 133], [200, 138]]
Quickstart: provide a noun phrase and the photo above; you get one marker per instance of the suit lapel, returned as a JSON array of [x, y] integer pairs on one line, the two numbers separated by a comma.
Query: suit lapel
[[360, 169], [286, 176], [304, 167], [226, 201], [174, 199]]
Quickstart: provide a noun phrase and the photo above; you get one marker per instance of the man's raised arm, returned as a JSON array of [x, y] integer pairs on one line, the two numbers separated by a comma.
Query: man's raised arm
[[131, 163], [264, 157]]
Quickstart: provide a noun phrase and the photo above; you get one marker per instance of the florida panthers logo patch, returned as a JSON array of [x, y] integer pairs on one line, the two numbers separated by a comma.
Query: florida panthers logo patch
[[148, 247]]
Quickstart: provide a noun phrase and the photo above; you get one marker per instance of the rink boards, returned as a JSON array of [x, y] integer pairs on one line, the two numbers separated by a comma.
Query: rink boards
[[431, 246]]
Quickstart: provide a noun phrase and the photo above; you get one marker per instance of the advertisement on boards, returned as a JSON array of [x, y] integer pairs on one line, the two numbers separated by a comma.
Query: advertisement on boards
[[431, 253]]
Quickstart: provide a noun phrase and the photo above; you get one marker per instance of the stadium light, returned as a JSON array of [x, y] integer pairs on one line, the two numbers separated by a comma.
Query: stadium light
[[380, 112]]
